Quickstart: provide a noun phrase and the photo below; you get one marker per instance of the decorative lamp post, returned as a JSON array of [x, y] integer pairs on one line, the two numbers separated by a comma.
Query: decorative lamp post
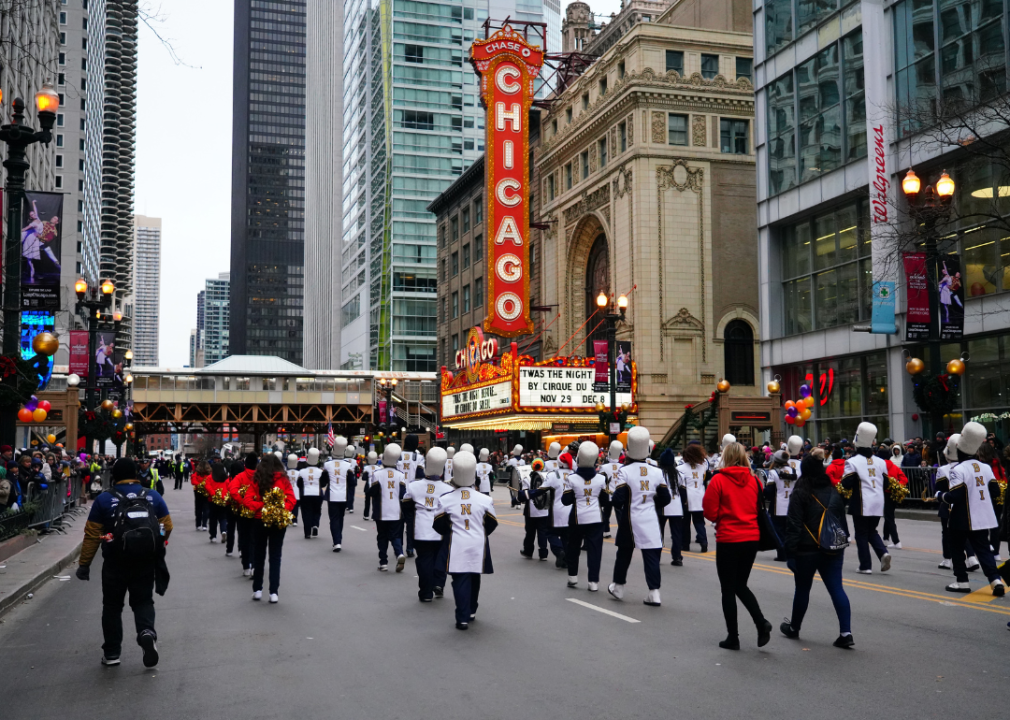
[[612, 317], [90, 304]]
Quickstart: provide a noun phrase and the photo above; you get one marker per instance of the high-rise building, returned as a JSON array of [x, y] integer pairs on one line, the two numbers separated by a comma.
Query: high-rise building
[[146, 289], [196, 335], [216, 317], [268, 172]]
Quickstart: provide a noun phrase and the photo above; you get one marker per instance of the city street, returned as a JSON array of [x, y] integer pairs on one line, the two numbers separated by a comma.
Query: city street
[[349, 642]]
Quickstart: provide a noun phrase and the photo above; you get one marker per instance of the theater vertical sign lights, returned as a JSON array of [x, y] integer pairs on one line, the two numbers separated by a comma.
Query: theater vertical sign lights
[[508, 66]]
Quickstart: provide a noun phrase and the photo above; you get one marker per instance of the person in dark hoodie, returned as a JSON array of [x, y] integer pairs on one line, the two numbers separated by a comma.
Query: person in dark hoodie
[[731, 503], [814, 503]]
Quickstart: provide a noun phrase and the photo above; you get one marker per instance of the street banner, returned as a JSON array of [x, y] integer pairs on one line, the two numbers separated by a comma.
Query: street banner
[[622, 375], [917, 297], [623, 366], [602, 363], [951, 291], [33, 323], [507, 66], [108, 361], [382, 411], [41, 242], [79, 353]]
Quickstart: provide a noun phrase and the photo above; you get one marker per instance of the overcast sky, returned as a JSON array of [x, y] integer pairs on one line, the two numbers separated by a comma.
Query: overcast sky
[[184, 154]]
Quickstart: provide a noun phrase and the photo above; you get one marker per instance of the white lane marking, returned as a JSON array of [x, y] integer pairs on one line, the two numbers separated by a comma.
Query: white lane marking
[[625, 618], [359, 528]]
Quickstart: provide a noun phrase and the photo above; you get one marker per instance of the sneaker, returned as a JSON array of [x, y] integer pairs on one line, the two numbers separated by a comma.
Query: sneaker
[[559, 561], [896, 546], [543, 559], [885, 562], [945, 564], [213, 540], [294, 523], [730, 643], [864, 572], [788, 630], [315, 532], [147, 641], [400, 562], [573, 581], [973, 564], [229, 554], [677, 562], [998, 558], [958, 587], [462, 626], [616, 590], [336, 548], [365, 517], [998, 588], [473, 617], [246, 572], [704, 549], [350, 511], [844, 641], [593, 587], [653, 599], [257, 595], [383, 567], [410, 553], [425, 599], [439, 592], [528, 557], [764, 633], [273, 598], [606, 536], [106, 660]]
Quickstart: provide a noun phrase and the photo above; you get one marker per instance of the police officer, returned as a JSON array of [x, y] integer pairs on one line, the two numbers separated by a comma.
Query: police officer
[[149, 477], [132, 558]]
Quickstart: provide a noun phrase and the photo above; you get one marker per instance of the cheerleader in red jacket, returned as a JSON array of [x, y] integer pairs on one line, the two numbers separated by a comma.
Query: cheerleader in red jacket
[[199, 479], [268, 476], [237, 488]]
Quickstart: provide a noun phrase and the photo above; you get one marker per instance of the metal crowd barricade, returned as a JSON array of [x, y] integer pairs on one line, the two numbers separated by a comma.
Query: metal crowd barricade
[[921, 485]]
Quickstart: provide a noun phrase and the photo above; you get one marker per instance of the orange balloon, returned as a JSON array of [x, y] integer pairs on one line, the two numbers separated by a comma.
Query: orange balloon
[[805, 414], [789, 404], [39, 415], [800, 422], [808, 401], [25, 415]]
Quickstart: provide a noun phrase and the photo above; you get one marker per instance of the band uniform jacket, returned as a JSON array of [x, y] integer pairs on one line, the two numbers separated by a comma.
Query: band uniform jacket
[[337, 479], [293, 479], [467, 518], [641, 489], [694, 479], [778, 488], [867, 478], [972, 487], [484, 474], [421, 501], [586, 498], [410, 465], [532, 510], [310, 481], [555, 480], [367, 473], [610, 469], [386, 491]]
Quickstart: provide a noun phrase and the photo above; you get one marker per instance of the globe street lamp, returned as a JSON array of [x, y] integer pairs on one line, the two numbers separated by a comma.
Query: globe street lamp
[[612, 317], [18, 136]]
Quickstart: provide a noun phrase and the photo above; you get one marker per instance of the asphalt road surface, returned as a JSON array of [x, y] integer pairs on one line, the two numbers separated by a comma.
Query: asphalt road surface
[[346, 641]]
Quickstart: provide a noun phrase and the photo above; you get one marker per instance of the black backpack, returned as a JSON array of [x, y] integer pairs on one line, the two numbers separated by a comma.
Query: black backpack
[[136, 531]]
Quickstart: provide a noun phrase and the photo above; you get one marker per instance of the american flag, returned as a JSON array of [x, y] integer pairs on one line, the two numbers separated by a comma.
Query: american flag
[[331, 439]]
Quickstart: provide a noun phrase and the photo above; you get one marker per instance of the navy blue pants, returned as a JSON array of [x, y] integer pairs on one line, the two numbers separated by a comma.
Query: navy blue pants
[[890, 527], [779, 521], [592, 537], [557, 538], [351, 486], [202, 508], [368, 502], [245, 541], [829, 565], [264, 538], [676, 524], [945, 538], [536, 528], [409, 523], [430, 574], [298, 505], [389, 532], [700, 535], [465, 589], [336, 511], [218, 516], [650, 558], [867, 536], [979, 539], [312, 511]]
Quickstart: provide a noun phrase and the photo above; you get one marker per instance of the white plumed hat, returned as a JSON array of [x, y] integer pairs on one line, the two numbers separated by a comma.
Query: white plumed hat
[[729, 439], [390, 455], [588, 453], [464, 469], [866, 433], [638, 443], [615, 450], [794, 444], [292, 461], [434, 462], [950, 452], [972, 437], [554, 450]]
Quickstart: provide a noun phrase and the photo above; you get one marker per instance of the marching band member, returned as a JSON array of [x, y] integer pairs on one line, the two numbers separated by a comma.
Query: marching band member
[[551, 463], [557, 531], [673, 513], [866, 478], [337, 478], [514, 462], [942, 485], [411, 464], [351, 458], [293, 479], [641, 488], [536, 511], [585, 494], [386, 490], [485, 473], [794, 446], [972, 486], [652, 448], [694, 475], [716, 459], [466, 518], [310, 489], [421, 501], [450, 453], [466, 447], [201, 474], [366, 477], [610, 468], [778, 488]]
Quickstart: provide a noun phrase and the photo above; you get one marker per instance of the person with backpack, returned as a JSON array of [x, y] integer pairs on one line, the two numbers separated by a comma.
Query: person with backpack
[[132, 525], [815, 540]]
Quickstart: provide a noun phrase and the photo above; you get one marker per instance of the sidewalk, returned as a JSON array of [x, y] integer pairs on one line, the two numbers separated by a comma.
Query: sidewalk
[[52, 554]]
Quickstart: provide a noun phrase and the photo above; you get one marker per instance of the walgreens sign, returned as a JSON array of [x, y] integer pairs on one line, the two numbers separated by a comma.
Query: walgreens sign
[[507, 66]]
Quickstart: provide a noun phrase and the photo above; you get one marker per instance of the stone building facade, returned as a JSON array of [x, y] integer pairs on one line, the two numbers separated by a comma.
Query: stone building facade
[[647, 181]]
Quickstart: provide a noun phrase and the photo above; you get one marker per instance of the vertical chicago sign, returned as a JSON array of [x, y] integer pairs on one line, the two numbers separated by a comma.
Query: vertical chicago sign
[[507, 66]]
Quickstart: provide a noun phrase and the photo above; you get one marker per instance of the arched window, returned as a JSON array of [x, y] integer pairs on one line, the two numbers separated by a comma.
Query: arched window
[[597, 281], [739, 353]]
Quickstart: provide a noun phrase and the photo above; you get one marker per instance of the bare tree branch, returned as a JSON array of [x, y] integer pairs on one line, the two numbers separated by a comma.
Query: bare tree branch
[[152, 17]]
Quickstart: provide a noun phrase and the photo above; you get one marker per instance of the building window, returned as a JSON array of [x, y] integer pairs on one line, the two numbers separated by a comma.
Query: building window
[[554, 127], [478, 248], [466, 298], [734, 136], [455, 344], [568, 115], [59, 119], [441, 310], [603, 86], [780, 19], [466, 220], [455, 305], [602, 149], [568, 176], [413, 53], [826, 270], [622, 137], [59, 161], [59, 181], [454, 228], [441, 275], [584, 163], [745, 68], [478, 292], [620, 70], [441, 235], [675, 61], [59, 140], [63, 18], [478, 212], [455, 264], [709, 66], [738, 353], [550, 187], [677, 129], [466, 256]]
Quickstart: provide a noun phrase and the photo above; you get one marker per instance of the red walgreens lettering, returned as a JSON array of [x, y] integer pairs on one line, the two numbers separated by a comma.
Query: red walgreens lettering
[[881, 184]]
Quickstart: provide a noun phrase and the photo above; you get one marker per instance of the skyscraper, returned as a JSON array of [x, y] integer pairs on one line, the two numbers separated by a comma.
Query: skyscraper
[[268, 172], [216, 318], [146, 289]]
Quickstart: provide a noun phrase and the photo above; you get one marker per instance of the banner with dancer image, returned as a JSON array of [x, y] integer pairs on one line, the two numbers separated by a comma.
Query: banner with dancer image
[[950, 288], [622, 376], [41, 244], [109, 360]]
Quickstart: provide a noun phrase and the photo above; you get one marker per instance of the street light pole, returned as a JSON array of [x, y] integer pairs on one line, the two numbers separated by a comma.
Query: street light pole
[[18, 137], [602, 302], [93, 303]]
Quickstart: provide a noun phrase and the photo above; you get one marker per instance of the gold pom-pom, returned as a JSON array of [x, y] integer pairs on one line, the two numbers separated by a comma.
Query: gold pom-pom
[[199, 487], [1002, 492], [274, 514], [847, 494], [898, 491], [220, 497]]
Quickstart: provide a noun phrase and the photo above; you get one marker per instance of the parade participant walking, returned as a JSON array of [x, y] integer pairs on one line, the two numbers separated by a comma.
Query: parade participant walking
[[366, 479], [972, 485], [514, 463], [731, 503], [641, 488], [555, 481], [270, 498], [336, 478], [694, 474], [673, 513], [351, 457], [310, 490], [485, 473], [134, 524], [292, 463], [894, 472], [536, 511], [411, 465], [584, 496], [466, 518], [781, 482], [199, 479], [942, 485], [610, 467], [237, 530], [815, 540], [387, 490], [421, 501], [866, 479], [217, 497]]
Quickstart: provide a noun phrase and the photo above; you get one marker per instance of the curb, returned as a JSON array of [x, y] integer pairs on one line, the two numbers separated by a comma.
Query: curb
[[18, 594], [924, 515]]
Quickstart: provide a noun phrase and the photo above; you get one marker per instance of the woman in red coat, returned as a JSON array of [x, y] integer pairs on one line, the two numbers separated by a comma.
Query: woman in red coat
[[731, 503], [241, 519], [200, 477], [217, 498], [268, 476]]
